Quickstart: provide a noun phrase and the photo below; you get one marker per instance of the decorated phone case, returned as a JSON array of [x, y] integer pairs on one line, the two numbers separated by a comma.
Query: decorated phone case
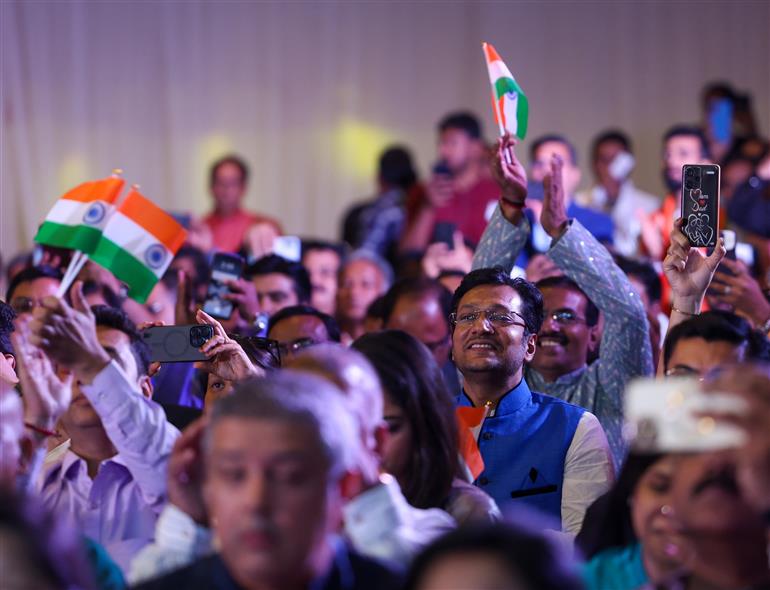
[[700, 203]]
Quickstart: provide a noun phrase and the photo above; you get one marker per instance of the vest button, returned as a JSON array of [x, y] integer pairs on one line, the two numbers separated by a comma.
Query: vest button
[[483, 481], [487, 436]]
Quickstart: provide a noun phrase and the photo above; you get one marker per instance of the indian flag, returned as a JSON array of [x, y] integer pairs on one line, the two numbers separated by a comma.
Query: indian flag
[[138, 243], [77, 219], [511, 104]]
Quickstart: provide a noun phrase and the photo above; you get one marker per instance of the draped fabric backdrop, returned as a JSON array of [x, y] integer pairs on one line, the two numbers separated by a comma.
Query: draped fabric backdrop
[[310, 92]]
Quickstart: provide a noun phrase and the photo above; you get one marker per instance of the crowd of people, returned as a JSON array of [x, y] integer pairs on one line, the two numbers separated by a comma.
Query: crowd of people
[[435, 401]]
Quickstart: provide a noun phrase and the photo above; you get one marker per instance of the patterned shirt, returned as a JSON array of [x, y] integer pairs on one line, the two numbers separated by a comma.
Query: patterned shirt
[[625, 346]]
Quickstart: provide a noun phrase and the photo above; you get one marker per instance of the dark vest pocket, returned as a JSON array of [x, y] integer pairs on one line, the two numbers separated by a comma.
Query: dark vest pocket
[[534, 491]]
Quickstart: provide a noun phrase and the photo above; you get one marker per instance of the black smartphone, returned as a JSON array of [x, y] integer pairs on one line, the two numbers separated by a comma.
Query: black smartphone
[[223, 267], [177, 344], [444, 232], [700, 204]]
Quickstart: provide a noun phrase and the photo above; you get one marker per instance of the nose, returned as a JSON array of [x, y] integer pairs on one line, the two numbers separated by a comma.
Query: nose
[[482, 324], [256, 494]]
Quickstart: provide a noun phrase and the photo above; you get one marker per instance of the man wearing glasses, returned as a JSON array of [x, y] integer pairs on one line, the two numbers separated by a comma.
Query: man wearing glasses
[[30, 287], [537, 450], [592, 282]]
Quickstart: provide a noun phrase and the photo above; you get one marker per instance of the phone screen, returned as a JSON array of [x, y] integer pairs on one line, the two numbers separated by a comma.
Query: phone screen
[[225, 267]]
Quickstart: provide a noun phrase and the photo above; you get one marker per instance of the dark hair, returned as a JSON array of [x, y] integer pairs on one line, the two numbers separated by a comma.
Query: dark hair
[[607, 522], [396, 168], [614, 136], [294, 270], [592, 312], [644, 272], [200, 262], [376, 308], [332, 329], [462, 121], [689, 131], [310, 245], [236, 161], [412, 379], [30, 274], [524, 550], [417, 287], [112, 299], [719, 326], [531, 297], [117, 319], [535, 145], [7, 315], [55, 549]]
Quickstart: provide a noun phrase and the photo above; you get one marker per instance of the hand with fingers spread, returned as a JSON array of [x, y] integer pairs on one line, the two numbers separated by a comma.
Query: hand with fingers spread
[[46, 395], [553, 217], [510, 174], [244, 294], [68, 335], [259, 240], [440, 257], [185, 472], [741, 291], [228, 360], [689, 272]]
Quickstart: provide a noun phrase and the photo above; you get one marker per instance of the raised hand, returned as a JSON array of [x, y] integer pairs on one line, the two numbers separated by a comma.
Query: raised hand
[[689, 271], [511, 177], [68, 335], [553, 217], [741, 291], [244, 294], [227, 359], [439, 257]]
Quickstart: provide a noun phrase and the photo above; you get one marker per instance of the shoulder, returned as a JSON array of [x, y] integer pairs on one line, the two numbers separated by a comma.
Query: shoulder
[[203, 574], [372, 574]]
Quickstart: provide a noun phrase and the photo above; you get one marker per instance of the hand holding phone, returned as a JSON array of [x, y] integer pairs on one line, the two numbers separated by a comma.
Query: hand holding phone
[[177, 344], [224, 267]]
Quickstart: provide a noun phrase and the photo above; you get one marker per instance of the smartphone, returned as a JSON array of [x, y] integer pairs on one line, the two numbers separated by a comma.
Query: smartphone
[[621, 166], [224, 267], [662, 415], [444, 232], [288, 247], [700, 204], [177, 344]]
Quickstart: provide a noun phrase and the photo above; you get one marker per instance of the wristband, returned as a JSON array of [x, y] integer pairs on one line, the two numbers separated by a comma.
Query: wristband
[[40, 430]]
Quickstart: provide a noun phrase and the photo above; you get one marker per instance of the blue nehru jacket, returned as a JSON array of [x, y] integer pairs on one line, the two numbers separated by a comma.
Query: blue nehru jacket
[[524, 445]]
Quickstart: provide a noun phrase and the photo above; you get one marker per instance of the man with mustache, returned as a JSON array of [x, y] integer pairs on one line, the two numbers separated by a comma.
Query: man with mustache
[[592, 283], [537, 450], [279, 459]]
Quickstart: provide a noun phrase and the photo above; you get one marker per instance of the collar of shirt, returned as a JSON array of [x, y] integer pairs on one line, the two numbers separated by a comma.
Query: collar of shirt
[[71, 464], [511, 402]]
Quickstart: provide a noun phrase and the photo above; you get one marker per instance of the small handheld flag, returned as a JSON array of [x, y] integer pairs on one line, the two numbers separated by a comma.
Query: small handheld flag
[[510, 103]]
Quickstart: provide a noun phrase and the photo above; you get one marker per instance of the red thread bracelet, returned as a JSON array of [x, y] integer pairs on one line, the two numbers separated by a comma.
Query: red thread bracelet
[[39, 430]]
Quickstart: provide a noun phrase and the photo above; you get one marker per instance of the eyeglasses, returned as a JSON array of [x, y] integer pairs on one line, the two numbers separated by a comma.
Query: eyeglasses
[[23, 305], [266, 352], [499, 319], [564, 317], [685, 371], [289, 348]]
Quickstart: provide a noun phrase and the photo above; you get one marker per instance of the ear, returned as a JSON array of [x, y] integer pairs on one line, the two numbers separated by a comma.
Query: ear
[[11, 360], [145, 386], [594, 336], [531, 348]]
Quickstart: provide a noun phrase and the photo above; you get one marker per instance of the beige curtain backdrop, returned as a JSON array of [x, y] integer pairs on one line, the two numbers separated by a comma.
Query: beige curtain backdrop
[[310, 92]]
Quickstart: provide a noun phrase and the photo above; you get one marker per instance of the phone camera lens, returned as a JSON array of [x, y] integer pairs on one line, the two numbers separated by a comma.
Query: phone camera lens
[[199, 335]]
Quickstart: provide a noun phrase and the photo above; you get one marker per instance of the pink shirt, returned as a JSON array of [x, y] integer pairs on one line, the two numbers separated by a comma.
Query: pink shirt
[[228, 231]]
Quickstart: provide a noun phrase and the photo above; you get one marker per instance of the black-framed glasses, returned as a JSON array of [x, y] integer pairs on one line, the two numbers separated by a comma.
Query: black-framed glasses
[[564, 317], [496, 317], [265, 352], [290, 348]]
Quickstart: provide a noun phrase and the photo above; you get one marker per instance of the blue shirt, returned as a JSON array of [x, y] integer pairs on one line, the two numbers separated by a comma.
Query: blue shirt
[[524, 444]]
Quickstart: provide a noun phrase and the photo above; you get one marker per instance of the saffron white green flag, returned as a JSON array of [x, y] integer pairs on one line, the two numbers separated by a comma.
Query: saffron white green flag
[[77, 219], [138, 243], [510, 103]]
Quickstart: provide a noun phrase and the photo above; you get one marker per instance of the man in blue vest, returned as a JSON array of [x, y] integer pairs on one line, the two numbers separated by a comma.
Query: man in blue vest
[[537, 450]]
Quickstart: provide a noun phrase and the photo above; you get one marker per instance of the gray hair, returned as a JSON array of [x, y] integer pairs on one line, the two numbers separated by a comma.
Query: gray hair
[[301, 398], [382, 265]]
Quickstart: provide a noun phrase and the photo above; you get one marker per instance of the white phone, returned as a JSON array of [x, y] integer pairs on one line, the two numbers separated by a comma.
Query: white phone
[[288, 247], [662, 415], [621, 166]]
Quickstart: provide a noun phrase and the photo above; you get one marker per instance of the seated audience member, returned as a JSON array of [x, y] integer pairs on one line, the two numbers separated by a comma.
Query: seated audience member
[[16, 264], [421, 307], [363, 278], [749, 209], [279, 283], [538, 451], [629, 536], [374, 315], [422, 449], [459, 191], [229, 222], [100, 294], [735, 289], [195, 265], [592, 282], [160, 305], [10, 404], [376, 225], [378, 521], [614, 192], [300, 326], [279, 458], [541, 154], [323, 261], [499, 556], [110, 483], [541, 267], [101, 276], [30, 286]]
